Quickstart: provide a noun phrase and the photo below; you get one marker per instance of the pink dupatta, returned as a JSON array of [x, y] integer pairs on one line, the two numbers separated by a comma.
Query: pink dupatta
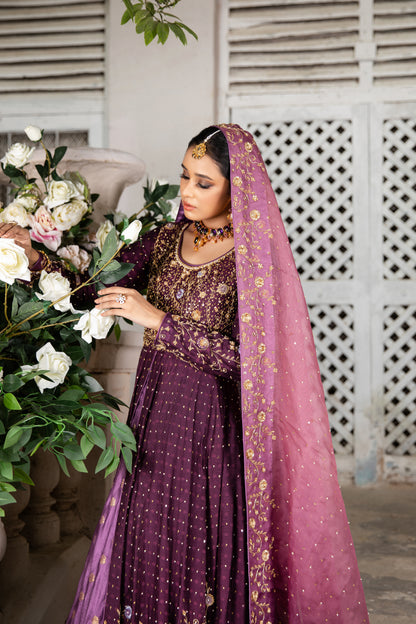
[[302, 563]]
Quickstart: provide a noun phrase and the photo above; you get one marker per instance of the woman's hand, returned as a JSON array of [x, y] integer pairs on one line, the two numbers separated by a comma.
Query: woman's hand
[[21, 237], [129, 304]]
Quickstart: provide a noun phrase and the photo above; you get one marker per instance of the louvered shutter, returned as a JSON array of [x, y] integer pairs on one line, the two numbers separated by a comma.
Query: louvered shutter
[[394, 27], [296, 44], [52, 45]]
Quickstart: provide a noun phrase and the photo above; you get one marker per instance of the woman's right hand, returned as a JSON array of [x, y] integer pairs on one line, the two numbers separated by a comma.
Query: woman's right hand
[[21, 237]]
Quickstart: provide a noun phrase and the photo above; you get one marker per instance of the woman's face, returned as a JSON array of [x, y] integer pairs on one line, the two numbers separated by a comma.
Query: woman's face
[[205, 192]]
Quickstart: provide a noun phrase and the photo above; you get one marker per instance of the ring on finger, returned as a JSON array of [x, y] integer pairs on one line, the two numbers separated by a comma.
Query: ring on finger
[[121, 299]]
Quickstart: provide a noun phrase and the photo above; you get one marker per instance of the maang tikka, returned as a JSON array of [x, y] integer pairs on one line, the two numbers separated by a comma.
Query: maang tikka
[[200, 150]]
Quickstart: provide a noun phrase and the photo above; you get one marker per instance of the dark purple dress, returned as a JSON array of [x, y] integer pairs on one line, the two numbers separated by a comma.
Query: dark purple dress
[[179, 553]]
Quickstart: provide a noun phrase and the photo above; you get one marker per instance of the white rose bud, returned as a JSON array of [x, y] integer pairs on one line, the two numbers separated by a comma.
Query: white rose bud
[[60, 192], [131, 233], [17, 155], [53, 287], [14, 263], [56, 363], [93, 325], [102, 233], [16, 213], [66, 216], [33, 133]]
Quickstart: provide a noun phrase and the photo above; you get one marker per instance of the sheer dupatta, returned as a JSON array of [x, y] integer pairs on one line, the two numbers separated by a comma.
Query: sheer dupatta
[[302, 563]]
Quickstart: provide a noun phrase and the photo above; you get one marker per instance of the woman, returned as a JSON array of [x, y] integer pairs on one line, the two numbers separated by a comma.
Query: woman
[[232, 512]]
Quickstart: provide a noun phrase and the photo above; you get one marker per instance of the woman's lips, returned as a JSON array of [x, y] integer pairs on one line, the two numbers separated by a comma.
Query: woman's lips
[[188, 206]]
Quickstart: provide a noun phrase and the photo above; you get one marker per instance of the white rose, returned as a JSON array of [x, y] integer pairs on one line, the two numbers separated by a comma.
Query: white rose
[[16, 213], [33, 133], [17, 155], [102, 233], [1, 374], [78, 257], [60, 192], [93, 325], [56, 363], [131, 233], [79, 182], [68, 215], [174, 208], [53, 287], [29, 202], [14, 263]]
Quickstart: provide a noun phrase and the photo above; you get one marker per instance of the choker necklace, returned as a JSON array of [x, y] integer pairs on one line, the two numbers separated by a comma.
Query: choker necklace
[[205, 234]]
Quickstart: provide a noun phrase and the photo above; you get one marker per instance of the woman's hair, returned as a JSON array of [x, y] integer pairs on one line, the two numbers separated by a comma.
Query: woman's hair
[[217, 148]]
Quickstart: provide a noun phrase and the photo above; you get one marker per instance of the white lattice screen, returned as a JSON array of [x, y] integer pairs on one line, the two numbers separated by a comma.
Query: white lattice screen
[[310, 167], [345, 183]]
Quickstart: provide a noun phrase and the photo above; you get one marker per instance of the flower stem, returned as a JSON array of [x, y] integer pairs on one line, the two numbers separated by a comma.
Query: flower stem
[[88, 281], [45, 326]]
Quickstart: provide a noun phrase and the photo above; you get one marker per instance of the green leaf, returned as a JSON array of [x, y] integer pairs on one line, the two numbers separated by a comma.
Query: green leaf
[[58, 155], [6, 498], [62, 463], [128, 457], [172, 191], [123, 433], [56, 176], [73, 451], [110, 246], [105, 459], [21, 475], [162, 32], [86, 445], [11, 402], [189, 30], [150, 33], [92, 384], [178, 32], [6, 470], [12, 383], [97, 435], [74, 394], [13, 436], [126, 17], [113, 466], [79, 465], [115, 276], [117, 331]]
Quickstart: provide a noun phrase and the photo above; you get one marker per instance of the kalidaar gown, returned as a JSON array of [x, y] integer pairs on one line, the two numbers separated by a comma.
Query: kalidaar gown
[[178, 551], [233, 513]]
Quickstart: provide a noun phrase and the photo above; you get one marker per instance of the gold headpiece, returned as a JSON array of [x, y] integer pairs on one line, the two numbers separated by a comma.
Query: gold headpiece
[[200, 150]]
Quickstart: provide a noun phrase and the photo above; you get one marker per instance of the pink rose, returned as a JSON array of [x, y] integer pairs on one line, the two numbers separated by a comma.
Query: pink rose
[[44, 230], [51, 239], [44, 218]]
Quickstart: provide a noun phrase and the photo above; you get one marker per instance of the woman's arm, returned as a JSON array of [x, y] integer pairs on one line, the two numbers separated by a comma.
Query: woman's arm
[[209, 351]]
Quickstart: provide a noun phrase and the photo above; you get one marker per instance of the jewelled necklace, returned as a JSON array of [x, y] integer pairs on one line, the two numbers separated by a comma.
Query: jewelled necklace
[[205, 234]]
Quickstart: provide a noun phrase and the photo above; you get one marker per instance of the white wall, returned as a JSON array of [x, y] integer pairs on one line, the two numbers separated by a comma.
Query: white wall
[[158, 96]]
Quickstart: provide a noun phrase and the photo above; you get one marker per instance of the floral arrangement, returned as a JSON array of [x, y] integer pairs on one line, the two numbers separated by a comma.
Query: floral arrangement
[[47, 398]]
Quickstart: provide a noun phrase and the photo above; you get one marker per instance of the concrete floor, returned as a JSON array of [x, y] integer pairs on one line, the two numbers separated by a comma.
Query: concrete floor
[[383, 525]]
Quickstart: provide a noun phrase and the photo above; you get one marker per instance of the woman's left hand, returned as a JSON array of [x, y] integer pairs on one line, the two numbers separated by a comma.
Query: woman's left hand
[[129, 304]]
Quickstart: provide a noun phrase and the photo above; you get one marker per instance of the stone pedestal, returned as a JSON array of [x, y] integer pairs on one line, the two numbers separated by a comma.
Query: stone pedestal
[[66, 494], [42, 524], [15, 562]]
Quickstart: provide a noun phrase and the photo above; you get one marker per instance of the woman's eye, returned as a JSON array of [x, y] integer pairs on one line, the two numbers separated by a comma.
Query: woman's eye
[[184, 177], [204, 186]]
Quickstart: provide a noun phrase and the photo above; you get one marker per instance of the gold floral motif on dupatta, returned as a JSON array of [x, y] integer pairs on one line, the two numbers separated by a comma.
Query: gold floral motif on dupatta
[[257, 416]]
